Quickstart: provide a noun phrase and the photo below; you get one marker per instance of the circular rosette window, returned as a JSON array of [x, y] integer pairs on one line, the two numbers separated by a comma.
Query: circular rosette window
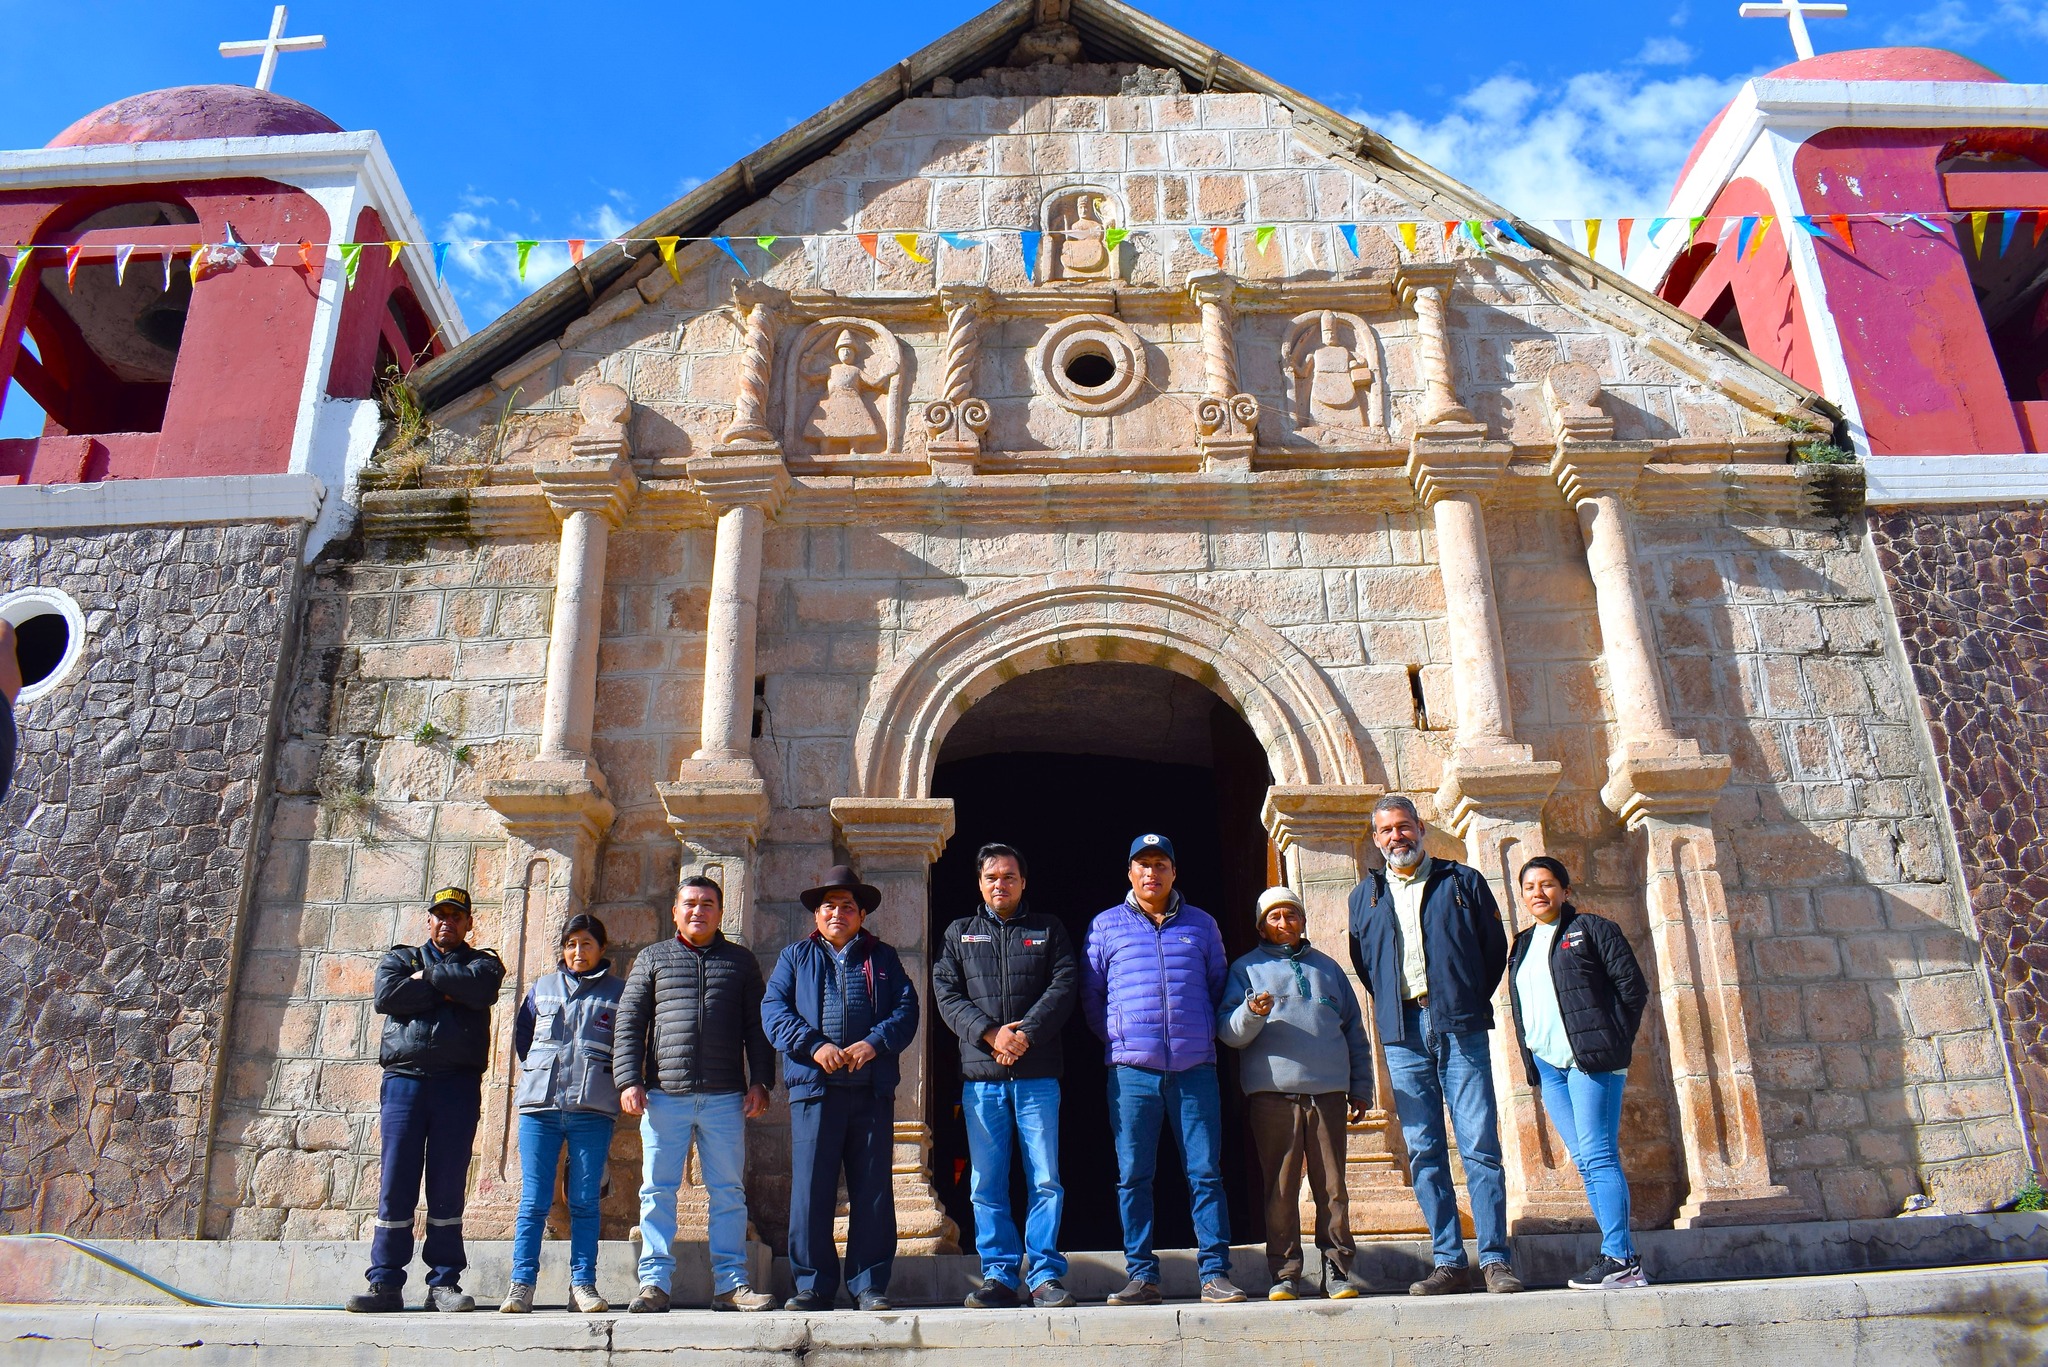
[[1091, 363]]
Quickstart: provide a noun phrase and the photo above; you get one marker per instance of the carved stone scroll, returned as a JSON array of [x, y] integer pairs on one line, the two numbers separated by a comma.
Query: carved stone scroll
[[1226, 419], [955, 421]]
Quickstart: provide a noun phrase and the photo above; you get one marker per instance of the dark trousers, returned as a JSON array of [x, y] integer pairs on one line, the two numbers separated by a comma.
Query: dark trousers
[[848, 1129], [1295, 1131], [429, 1128]]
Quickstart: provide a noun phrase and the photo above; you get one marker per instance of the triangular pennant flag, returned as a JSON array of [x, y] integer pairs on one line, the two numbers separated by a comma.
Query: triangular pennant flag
[[305, 256], [959, 242], [21, 255], [908, 242], [1840, 223], [1745, 226], [1407, 231], [1112, 238], [766, 242], [626, 247], [121, 255], [1592, 237], [667, 247], [1472, 231], [228, 238], [1027, 243], [1763, 230], [1262, 237], [1978, 222], [1692, 229], [440, 258], [267, 252], [1656, 226], [1219, 244], [1728, 225], [1449, 228], [1350, 232], [724, 244], [576, 246], [168, 256], [198, 250], [2040, 225], [72, 255], [2012, 223], [1563, 226], [871, 243], [351, 258], [1510, 232], [524, 247], [1195, 236], [1928, 224], [1622, 226], [394, 248]]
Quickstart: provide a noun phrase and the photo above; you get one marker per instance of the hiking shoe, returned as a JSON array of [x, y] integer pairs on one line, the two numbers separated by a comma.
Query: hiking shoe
[[1050, 1295], [1443, 1280], [1137, 1293], [1346, 1290], [518, 1300], [1501, 1279], [874, 1302], [651, 1300], [378, 1300], [1292, 1289], [584, 1300], [809, 1302], [1610, 1274], [1221, 1291], [743, 1297], [449, 1300], [992, 1295]]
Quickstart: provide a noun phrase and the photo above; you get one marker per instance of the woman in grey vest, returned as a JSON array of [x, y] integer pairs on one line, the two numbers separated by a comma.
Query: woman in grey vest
[[564, 1038]]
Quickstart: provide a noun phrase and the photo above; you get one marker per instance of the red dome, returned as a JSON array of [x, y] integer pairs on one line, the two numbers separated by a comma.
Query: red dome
[[1863, 64], [185, 112]]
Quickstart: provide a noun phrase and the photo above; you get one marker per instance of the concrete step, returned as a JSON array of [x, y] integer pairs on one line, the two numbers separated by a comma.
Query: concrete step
[[1982, 1316]]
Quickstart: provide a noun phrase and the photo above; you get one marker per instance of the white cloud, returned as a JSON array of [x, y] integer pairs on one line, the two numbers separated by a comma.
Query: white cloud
[[483, 262], [1953, 22], [1665, 52]]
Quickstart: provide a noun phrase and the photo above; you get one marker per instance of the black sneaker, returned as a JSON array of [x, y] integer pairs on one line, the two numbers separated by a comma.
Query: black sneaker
[[1610, 1274], [992, 1295], [808, 1302], [874, 1302], [1050, 1295], [378, 1300]]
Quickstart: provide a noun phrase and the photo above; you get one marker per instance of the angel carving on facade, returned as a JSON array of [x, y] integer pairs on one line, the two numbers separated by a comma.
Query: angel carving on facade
[[1333, 379]]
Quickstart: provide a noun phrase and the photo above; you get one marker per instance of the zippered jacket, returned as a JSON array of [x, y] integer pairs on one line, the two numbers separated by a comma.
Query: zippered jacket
[[1462, 943], [992, 972], [1312, 1041], [1600, 991], [1150, 991], [794, 1011], [690, 1020], [439, 1022], [563, 1036]]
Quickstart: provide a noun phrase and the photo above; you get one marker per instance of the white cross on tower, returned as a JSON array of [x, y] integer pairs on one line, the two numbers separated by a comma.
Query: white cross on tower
[[268, 48], [1795, 14]]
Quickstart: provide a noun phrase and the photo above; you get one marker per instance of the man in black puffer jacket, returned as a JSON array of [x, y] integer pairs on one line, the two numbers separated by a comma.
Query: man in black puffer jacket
[[437, 1038], [1005, 983], [690, 1058]]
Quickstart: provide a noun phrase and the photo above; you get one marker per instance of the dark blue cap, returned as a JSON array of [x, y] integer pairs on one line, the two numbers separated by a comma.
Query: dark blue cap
[[1151, 844]]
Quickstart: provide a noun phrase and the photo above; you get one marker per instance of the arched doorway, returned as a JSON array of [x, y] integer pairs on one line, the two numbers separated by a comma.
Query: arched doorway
[[1069, 764]]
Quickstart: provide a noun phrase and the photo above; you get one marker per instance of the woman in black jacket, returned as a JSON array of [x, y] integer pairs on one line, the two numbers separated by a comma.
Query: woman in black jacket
[[1578, 998]]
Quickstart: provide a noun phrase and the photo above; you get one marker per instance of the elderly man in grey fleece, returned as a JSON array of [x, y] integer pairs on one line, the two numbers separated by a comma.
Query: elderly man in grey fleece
[[1306, 1066]]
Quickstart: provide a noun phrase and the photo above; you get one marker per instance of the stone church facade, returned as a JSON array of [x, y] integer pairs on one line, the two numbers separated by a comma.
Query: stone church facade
[[706, 571]]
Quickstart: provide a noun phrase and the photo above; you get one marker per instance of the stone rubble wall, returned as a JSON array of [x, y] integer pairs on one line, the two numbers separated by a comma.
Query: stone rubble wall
[[126, 850]]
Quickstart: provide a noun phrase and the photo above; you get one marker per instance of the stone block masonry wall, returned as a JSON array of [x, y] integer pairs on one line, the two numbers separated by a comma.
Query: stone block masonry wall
[[1971, 598], [126, 847]]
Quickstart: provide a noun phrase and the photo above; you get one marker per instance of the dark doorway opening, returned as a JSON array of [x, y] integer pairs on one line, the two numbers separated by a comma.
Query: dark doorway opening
[[1070, 765]]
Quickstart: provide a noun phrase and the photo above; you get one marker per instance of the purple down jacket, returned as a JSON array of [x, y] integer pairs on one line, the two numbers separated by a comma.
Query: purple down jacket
[[1150, 992]]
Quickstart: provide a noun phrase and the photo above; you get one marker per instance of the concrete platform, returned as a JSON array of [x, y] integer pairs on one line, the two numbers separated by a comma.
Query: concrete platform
[[1967, 1317]]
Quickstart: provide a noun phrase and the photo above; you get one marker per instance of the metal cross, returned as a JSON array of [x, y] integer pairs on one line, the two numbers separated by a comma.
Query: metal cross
[[1795, 13], [268, 48]]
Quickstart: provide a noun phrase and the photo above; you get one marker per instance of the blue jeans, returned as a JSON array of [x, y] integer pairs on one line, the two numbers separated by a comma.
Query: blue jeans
[[1457, 1068], [1585, 1108], [428, 1126], [719, 1124], [1031, 1108], [1140, 1099], [541, 1136]]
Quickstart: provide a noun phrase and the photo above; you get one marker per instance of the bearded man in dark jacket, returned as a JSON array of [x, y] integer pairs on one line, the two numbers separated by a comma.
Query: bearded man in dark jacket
[[437, 999], [690, 1058], [1005, 983]]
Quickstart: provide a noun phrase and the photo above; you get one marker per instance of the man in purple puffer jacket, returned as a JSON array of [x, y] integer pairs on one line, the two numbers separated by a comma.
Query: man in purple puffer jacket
[[1150, 982]]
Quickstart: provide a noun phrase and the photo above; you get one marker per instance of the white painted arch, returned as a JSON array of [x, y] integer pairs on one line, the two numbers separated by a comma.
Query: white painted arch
[[1074, 618]]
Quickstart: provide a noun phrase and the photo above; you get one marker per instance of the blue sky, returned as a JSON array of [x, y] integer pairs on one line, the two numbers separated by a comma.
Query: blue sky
[[514, 118]]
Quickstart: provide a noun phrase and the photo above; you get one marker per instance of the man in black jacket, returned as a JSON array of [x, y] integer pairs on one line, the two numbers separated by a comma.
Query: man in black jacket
[[1005, 983], [1427, 942], [437, 997], [690, 1058]]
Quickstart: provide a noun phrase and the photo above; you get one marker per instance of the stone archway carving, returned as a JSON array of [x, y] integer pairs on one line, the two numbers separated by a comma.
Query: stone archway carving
[[1065, 619]]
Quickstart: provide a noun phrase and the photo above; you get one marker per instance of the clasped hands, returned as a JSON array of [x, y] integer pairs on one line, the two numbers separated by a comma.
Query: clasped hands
[[1007, 1042], [832, 1058]]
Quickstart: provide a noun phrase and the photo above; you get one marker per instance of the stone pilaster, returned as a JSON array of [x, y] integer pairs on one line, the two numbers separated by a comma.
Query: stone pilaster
[[955, 421], [1321, 832], [893, 842], [1226, 419]]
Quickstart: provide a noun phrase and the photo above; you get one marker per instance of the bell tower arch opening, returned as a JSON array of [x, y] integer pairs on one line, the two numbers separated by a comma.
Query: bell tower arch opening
[[1069, 764]]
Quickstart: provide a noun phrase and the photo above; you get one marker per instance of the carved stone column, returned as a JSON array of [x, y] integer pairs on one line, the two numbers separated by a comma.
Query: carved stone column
[[1664, 787], [893, 842], [1425, 289], [555, 806], [1321, 832], [954, 423], [1227, 420], [758, 308]]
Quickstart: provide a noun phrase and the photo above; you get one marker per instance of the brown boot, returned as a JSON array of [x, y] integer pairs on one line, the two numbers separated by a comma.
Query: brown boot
[[1501, 1279], [1443, 1280]]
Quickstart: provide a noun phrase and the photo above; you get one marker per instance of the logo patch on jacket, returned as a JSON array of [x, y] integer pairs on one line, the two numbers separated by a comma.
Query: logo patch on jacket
[[977, 939], [1030, 943]]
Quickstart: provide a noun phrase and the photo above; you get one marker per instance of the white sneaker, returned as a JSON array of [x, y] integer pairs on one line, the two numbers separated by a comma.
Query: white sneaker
[[1610, 1274], [518, 1300], [585, 1301]]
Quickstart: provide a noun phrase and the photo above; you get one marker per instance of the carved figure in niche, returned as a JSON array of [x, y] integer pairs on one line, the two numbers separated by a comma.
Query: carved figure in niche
[[846, 390], [1076, 221], [1334, 377]]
